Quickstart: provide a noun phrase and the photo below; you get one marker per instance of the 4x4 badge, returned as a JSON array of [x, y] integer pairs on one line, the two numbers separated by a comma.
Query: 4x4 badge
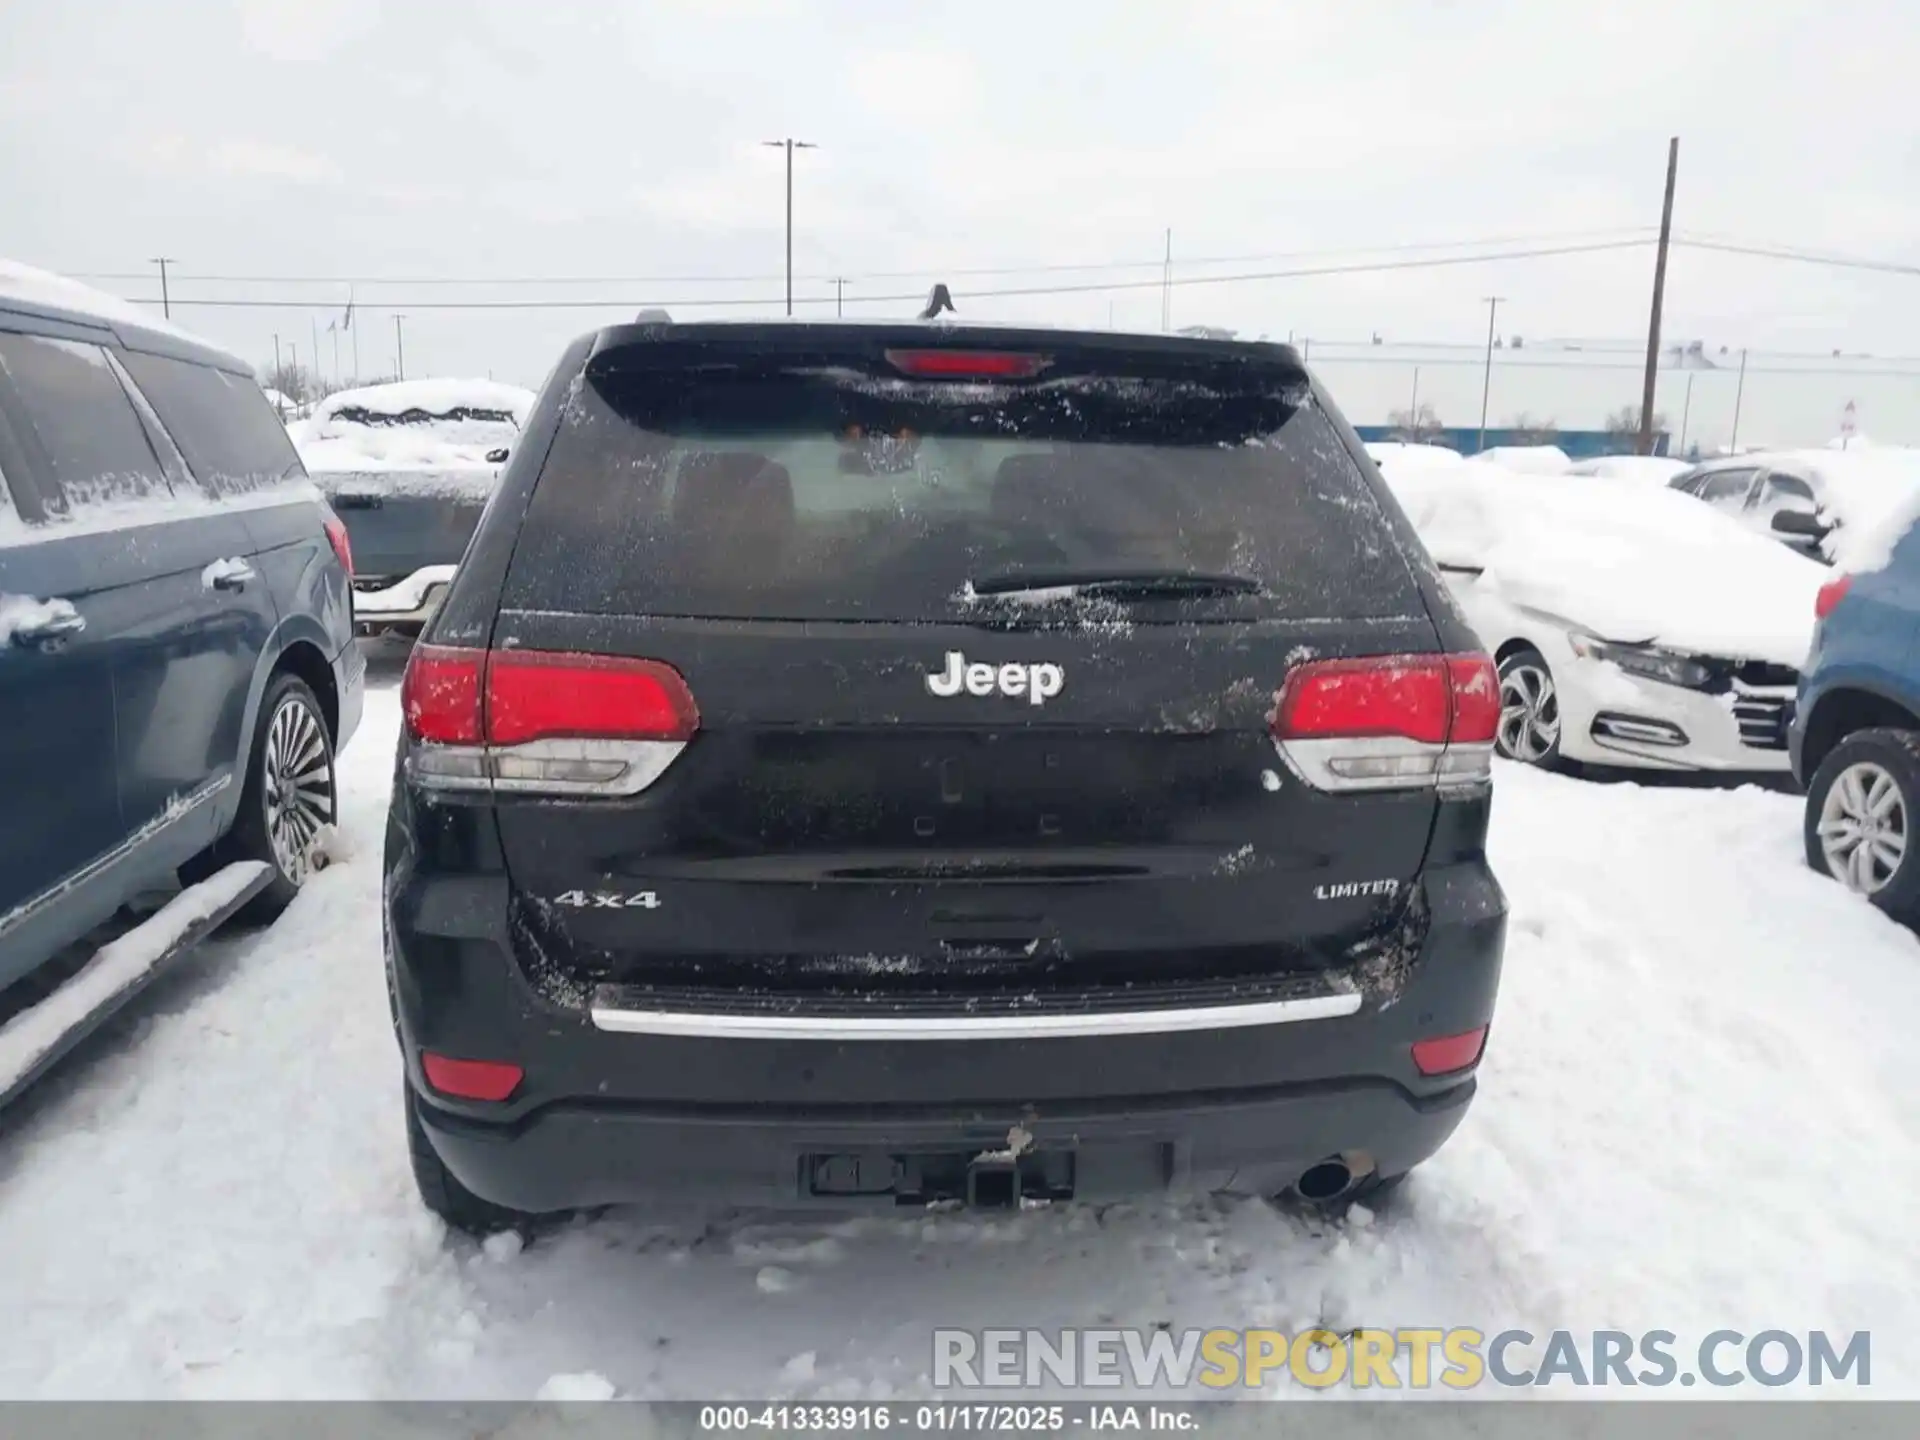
[[609, 900], [1039, 683]]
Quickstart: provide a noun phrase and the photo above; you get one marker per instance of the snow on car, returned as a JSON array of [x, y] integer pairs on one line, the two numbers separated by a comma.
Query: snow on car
[[1823, 502], [1525, 459], [1633, 626], [409, 466], [1651, 470]]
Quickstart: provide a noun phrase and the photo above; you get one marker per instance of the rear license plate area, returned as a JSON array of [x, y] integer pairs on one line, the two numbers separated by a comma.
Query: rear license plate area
[[987, 1181]]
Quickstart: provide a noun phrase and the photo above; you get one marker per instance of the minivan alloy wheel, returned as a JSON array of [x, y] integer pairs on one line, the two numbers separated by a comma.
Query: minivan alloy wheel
[[298, 784], [1863, 827], [1529, 713]]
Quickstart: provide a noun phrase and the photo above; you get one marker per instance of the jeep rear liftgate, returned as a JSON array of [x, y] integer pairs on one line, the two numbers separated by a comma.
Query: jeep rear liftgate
[[884, 687]]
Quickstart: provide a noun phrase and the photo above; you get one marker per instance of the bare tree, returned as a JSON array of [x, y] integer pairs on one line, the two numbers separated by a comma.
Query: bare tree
[[1529, 431], [1415, 426], [1624, 423]]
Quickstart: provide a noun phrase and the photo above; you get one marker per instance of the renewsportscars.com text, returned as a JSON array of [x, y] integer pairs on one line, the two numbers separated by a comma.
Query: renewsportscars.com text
[[1404, 1359]]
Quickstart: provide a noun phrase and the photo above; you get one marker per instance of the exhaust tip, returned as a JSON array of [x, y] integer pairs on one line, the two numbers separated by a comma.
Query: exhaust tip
[[1328, 1180]]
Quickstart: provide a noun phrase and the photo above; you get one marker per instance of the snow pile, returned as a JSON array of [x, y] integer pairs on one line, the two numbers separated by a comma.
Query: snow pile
[[1652, 470], [21, 612], [1526, 459], [1628, 563], [1387, 451], [426, 434], [32, 286]]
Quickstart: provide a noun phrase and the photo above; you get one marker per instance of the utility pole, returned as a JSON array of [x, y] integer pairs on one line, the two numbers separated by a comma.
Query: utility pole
[[1645, 446], [399, 349], [279, 381], [1166, 286], [839, 295], [166, 301], [1486, 380], [1685, 411], [1733, 443], [1413, 406], [790, 145]]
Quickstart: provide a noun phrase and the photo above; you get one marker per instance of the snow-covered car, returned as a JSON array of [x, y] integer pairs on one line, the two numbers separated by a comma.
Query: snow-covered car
[[1806, 499], [409, 467], [1632, 626], [1652, 470]]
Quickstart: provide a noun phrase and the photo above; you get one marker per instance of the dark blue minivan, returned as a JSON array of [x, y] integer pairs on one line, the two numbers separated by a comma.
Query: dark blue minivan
[[177, 669]]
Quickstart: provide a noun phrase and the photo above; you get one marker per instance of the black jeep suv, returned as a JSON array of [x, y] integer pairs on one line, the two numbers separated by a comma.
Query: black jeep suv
[[889, 764]]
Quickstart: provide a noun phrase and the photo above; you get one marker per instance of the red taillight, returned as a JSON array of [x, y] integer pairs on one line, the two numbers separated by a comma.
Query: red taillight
[[1447, 1053], [967, 364], [342, 546], [536, 695], [1389, 721], [471, 1079], [1403, 695], [1474, 683], [440, 695], [1831, 594], [543, 723]]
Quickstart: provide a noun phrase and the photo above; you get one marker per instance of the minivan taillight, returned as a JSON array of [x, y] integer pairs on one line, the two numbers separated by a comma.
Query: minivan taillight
[[1389, 722], [342, 546], [543, 722], [1830, 595]]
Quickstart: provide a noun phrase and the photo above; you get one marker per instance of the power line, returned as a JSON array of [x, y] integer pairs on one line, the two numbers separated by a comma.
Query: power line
[[622, 303], [1808, 257], [1623, 233]]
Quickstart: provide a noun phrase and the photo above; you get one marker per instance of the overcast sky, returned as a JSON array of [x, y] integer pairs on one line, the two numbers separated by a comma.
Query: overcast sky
[[346, 138]]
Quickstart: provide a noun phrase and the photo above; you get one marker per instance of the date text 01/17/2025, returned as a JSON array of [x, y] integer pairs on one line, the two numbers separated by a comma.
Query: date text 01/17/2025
[[943, 1417]]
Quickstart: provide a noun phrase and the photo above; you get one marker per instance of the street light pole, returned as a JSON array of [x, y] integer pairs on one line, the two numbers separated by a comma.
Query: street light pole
[[1739, 393], [166, 301], [1486, 379], [790, 145]]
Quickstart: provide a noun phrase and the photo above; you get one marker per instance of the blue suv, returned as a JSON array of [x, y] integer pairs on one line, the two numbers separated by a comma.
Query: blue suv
[[1855, 739], [177, 669]]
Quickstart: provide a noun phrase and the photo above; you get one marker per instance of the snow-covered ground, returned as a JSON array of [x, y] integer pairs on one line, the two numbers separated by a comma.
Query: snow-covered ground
[[1699, 1111]]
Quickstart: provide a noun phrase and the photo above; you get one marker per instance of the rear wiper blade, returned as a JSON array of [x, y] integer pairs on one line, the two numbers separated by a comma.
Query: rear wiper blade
[[1106, 584]]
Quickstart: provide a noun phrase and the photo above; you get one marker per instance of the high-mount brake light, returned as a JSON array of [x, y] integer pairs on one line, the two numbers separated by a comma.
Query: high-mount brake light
[[1389, 722], [543, 722], [945, 364]]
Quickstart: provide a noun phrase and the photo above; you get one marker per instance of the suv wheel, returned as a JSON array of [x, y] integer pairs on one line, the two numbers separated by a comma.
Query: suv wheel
[[447, 1197], [290, 795], [1529, 710], [1862, 803]]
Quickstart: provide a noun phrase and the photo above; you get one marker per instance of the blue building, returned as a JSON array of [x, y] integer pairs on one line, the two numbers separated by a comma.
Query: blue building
[[1578, 444]]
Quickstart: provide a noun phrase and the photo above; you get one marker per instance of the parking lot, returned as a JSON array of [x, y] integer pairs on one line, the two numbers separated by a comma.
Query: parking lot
[[1697, 1112]]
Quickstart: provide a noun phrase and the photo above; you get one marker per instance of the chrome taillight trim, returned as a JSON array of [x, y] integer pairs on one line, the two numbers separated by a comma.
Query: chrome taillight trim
[[1346, 765], [594, 769]]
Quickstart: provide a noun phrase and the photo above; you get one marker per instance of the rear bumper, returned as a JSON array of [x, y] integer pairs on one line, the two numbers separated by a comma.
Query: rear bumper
[[665, 1117], [1260, 1143], [409, 601]]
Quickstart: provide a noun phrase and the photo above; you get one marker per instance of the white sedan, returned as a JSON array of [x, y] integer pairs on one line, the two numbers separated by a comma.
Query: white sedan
[[1567, 694], [1632, 625]]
